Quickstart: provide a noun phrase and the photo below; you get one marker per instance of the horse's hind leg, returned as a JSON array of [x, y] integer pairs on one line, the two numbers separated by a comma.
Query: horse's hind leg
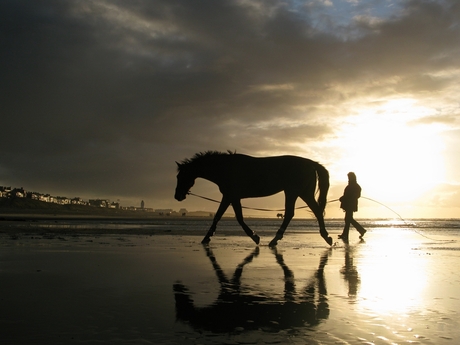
[[239, 217], [220, 211], [312, 203], [289, 214]]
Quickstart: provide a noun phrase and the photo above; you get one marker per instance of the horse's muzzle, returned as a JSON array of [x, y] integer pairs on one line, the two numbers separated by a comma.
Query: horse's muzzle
[[179, 196]]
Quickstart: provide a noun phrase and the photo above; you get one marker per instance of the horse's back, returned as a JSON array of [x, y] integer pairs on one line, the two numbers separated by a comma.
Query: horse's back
[[275, 163], [262, 176]]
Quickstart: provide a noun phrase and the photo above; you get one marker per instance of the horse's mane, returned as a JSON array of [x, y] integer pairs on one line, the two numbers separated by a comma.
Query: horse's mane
[[202, 156]]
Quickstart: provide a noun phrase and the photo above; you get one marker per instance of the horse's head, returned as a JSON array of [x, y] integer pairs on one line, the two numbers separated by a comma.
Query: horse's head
[[185, 181]]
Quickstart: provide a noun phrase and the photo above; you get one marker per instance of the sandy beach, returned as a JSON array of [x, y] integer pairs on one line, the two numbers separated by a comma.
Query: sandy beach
[[164, 287]]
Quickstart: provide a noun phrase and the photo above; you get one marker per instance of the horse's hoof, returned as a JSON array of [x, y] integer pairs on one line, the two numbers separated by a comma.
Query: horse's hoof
[[273, 243], [256, 238], [329, 240], [275, 240], [206, 240]]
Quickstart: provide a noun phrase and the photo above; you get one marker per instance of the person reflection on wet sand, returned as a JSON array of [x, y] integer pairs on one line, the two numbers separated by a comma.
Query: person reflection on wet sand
[[350, 273], [240, 308]]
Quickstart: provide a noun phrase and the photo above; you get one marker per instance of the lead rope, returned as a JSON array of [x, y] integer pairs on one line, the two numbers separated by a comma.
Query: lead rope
[[246, 207], [297, 208], [335, 200]]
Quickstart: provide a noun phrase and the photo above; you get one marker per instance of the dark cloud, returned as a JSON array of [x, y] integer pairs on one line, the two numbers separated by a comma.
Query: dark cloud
[[100, 97]]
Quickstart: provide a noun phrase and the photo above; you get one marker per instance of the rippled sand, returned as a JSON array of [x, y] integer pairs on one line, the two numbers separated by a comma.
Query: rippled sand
[[397, 287]]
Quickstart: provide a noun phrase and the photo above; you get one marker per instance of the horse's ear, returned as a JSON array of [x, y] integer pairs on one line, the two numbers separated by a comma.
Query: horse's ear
[[178, 165]]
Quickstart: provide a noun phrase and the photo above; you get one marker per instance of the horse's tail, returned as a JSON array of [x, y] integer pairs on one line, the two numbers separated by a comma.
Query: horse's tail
[[323, 186]]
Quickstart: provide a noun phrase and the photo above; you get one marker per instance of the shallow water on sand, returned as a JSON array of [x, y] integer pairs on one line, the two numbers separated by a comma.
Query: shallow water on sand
[[396, 287]]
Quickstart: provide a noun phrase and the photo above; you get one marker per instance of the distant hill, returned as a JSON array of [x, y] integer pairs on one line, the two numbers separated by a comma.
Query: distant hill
[[30, 206]]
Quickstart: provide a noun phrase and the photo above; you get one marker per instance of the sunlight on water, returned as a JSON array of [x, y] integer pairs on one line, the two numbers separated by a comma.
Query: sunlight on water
[[391, 222], [393, 275]]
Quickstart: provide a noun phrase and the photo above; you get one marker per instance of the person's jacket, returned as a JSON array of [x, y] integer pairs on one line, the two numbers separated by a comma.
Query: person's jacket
[[349, 200]]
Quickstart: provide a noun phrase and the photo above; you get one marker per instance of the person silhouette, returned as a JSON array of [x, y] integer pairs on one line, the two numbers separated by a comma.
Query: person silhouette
[[349, 203]]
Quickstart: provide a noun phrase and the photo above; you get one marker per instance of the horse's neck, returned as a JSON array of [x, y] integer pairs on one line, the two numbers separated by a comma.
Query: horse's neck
[[210, 177], [210, 173]]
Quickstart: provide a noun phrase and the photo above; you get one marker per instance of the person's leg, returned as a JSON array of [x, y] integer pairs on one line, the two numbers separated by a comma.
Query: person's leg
[[358, 227], [346, 228]]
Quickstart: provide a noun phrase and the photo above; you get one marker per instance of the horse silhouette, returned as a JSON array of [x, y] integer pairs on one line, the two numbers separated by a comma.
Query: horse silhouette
[[240, 176], [239, 308]]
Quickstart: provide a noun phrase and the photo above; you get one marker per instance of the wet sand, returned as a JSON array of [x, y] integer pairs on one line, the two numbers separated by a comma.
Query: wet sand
[[396, 287]]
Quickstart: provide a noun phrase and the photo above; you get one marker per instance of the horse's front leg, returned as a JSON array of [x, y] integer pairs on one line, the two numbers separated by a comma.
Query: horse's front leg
[[289, 283], [220, 212], [239, 217], [236, 280], [289, 214]]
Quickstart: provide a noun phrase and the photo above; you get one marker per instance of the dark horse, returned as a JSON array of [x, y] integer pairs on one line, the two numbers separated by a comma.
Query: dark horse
[[239, 176]]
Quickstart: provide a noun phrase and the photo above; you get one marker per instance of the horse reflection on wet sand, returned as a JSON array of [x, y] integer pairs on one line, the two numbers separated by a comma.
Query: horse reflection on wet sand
[[239, 176], [239, 308]]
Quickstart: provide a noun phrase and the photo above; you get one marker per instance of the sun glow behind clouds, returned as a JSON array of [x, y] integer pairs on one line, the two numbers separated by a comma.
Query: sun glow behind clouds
[[394, 161]]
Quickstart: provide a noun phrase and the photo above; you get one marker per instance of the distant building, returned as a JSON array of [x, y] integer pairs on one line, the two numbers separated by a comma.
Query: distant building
[[33, 195], [142, 204], [45, 197], [78, 201], [99, 202], [114, 205], [4, 191], [18, 193], [162, 212], [62, 200]]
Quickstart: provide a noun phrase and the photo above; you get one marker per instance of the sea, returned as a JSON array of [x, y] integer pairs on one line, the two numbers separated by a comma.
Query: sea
[[197, 226]]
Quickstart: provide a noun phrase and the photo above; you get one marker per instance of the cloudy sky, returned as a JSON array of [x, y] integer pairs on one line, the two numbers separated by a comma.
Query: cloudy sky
[[100, 98]]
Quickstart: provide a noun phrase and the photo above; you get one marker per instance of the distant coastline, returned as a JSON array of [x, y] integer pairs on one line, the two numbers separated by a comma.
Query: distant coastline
[[35, 208]]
